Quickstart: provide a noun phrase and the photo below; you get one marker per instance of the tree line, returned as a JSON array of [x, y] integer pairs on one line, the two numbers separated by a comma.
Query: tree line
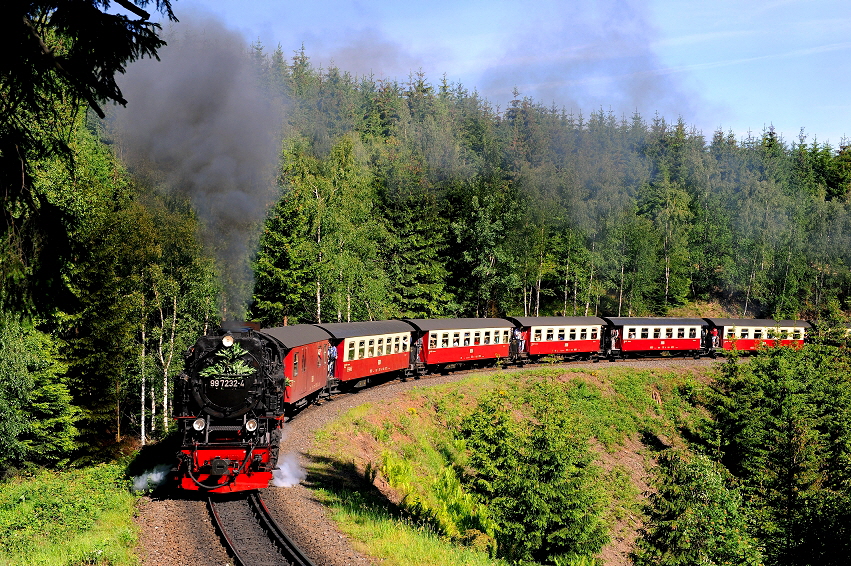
[[397, 198], [423, 200]]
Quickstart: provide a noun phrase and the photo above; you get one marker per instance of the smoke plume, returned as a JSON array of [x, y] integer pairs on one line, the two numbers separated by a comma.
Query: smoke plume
[[198, 124], [151, 479], [288, 473]]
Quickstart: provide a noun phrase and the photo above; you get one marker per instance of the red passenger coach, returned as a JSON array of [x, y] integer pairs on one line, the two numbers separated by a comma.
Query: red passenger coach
[[637, 336], [305, 363], [568, 336], [462, 340], [750, 334], [366, 349]]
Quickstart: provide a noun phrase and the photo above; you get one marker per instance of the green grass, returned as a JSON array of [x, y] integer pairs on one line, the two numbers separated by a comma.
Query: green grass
[[394, 540], [80, 516]]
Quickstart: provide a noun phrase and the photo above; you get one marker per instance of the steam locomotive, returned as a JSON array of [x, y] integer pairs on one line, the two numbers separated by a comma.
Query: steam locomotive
[[237, 387]]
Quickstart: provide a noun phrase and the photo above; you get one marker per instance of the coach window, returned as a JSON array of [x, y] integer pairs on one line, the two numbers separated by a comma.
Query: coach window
[[456, 341], [692, 332], [505, 336], [681, 332], [630, 333], [361, 349], [669, 333], [657, 333], [487, 336], [304, 362], [351, 354], [370, 350], [796, 335], [477, 338], [645, 333], [537, 335], [444, 340], [561, 334], [744, 333], [381, 346], [757, 333], [396, 345], [295, 364], [583, 334], [784, 334], [466, 338], [594, 333], [432, 341], [549, 334]]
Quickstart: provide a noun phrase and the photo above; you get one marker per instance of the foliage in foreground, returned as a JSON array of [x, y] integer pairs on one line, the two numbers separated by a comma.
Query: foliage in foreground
[[535, 476], [776, 477], [83, 516], [696, 517], [37, 423], [783, 420], [435, 448]]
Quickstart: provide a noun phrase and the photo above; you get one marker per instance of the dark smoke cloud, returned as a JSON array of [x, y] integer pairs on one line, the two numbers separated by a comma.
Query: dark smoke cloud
[[198, 124], [586, 56]]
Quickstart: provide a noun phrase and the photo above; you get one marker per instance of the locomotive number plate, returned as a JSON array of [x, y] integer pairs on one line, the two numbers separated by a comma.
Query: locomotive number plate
[[227, 383]]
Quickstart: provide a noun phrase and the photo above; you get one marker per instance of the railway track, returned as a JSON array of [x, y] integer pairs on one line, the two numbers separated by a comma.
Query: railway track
[[250, 533]]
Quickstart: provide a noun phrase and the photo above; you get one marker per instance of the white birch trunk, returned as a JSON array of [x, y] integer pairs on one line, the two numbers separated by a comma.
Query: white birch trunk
[[144, 381]]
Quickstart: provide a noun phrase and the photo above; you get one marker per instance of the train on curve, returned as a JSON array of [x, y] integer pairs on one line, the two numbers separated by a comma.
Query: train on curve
[[237, 387]]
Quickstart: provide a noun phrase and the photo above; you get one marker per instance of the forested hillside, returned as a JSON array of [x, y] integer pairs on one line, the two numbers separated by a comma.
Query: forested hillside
[[397, 198], [103, 282], [421, 199]]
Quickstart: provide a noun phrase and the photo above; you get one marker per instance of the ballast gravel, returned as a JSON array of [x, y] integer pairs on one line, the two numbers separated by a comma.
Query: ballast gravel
[[178, 530]]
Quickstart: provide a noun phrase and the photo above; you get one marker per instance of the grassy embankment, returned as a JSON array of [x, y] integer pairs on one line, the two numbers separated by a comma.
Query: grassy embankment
[[383, 468], [80, 516]]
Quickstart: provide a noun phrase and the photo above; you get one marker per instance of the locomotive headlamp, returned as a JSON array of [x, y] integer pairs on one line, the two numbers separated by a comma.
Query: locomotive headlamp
[[199, 424], [251, 425], [227, 341]]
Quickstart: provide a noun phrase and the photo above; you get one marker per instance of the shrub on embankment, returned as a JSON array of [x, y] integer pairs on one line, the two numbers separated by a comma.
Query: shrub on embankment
[[525, 467], [747, 463]]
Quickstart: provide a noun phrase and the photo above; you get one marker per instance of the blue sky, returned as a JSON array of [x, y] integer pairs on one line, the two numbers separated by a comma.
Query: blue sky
[[736, 65]]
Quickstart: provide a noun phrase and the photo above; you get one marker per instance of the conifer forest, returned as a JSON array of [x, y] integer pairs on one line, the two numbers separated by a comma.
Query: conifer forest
[[420, 198]]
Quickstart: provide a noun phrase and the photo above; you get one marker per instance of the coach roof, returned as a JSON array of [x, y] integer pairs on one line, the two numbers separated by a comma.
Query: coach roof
[[556, 320], [635, 321], [296, 335], [458, 323], [765, 322], [340, 330]]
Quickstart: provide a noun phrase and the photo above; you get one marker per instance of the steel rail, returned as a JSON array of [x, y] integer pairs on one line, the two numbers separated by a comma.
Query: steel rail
[[257, 538], [279, 537]]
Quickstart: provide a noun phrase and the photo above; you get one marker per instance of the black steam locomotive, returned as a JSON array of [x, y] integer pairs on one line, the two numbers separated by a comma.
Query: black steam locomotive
[[229, 404]]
